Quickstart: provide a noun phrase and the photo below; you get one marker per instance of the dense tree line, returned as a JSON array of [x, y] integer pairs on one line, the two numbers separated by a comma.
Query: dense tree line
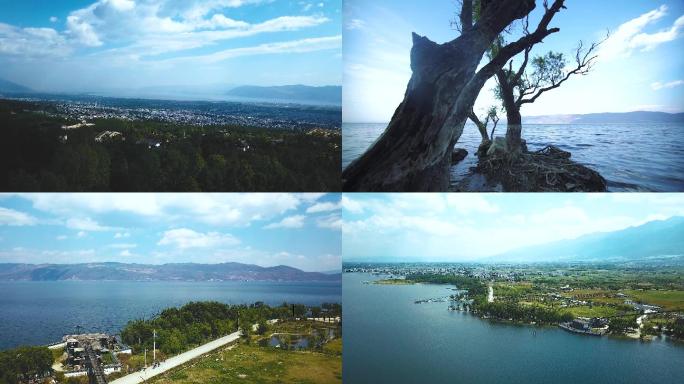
[[474, 286], [179, 329], [524, 313], [35, 156], [622, 324], [22, 363]]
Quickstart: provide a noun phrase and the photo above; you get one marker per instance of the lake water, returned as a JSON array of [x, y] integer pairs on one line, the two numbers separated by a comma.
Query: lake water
[[632, 157], [38, 313], [388, 338]]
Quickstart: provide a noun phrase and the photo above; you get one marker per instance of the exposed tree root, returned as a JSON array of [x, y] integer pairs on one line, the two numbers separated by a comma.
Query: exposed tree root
[[546, 170]]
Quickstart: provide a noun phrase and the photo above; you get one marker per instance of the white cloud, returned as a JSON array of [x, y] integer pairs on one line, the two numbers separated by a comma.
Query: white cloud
[[355, 24], [658, 85], [54, 19], [145, 28], [296, 221], [61, 237], [32, 42], [16, 218], [630, 36], [121, 235], [125, 253], [331, 222], [184, 238], [85, 224], [351, 205], [81, 234], [295, 46], [324, 207], [209, 208]]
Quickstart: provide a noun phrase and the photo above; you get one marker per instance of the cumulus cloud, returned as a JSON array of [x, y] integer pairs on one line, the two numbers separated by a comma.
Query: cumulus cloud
[[16, 218], [85, 224], [296, 221], [184, 238], [145, 28], [213, 209], [324, 207], [630, 36], [331, 222]]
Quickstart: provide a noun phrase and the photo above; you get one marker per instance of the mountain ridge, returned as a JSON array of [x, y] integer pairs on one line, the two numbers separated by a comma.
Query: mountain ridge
[[330, 93], [165, 272], [607, 118], [658, 238]]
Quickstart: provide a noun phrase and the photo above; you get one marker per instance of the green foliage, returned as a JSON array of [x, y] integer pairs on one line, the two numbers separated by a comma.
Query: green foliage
[[525, 313], [547, 69], [179, 329], [34, 158], [621, 324], [476, 288], [23, 363]]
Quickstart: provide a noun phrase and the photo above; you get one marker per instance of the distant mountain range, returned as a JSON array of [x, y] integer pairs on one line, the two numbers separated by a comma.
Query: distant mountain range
[[286, 93], [608, 118], [655, 239], [328, 94], [10, 87], [165, 272]]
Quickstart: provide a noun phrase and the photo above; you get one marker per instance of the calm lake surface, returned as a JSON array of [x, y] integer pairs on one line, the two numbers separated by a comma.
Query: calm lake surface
[[632, 157], [38, 313], [389, 339]]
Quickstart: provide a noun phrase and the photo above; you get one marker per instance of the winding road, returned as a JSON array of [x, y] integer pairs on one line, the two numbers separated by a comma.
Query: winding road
[[173, 362]]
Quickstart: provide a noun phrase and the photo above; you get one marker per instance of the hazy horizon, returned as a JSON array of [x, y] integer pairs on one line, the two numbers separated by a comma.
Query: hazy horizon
[[473, 227]]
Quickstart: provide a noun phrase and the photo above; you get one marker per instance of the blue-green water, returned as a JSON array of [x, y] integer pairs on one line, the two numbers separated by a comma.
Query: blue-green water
[[37, 313], [389, 339]]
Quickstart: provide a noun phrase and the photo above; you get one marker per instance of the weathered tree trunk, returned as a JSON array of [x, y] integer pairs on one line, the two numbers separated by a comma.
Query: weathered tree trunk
[[413, 154], [482, 128], [513, 118]]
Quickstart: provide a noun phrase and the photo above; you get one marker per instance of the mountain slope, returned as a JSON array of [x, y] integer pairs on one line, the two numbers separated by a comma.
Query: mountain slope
[[165, 272], [328, 94], [650, 240], [10, 87]]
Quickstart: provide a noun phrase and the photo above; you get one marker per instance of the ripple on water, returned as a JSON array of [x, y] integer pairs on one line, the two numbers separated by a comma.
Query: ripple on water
[[632, 157]]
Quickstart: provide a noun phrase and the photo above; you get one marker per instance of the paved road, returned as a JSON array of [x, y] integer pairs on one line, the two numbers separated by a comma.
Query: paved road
[[141, 376], [490, 296]]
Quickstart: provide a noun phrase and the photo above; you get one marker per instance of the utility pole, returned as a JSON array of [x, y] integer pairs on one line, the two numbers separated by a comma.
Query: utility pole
[[145, 357], [154, 346]]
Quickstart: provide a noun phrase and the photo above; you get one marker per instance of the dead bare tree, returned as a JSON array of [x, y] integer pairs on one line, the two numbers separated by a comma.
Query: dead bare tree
[[413, 154]]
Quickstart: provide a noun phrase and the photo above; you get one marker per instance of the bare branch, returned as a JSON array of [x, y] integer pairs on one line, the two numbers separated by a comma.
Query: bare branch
[[584, 61], [512, 49]]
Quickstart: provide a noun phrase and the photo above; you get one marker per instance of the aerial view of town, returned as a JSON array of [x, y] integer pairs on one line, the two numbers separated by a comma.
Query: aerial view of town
[[104, 144], [161, 95], [579, 285]]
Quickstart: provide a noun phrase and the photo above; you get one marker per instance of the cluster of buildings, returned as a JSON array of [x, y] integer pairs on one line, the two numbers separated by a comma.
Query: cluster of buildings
[[253, 116], [89, 351]]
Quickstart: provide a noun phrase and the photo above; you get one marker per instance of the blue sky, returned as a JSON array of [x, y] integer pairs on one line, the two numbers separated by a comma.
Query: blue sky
[[299, 230], [639, 68], [92, 45], [465, 227]]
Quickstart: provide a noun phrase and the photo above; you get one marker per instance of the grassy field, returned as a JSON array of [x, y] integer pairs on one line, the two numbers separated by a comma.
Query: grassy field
[[250, 364], [668, 300]]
